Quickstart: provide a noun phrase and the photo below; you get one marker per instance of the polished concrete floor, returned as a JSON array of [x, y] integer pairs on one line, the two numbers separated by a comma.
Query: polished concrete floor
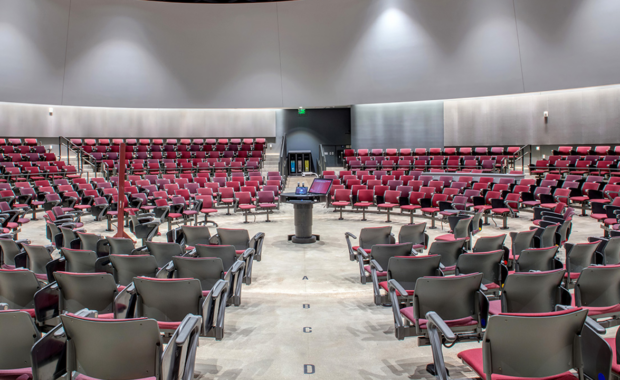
[[306, 313]]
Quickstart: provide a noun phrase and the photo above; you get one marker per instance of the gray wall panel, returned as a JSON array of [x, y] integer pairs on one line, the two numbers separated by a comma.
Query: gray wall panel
[[124, 122], [398, 125], [368, 51], [586, 116], [147, 54], [32, 50], [569, 43]]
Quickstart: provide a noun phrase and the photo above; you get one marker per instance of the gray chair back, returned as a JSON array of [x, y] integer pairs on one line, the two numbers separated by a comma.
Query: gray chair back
[[196, 235], [532, 292], [450, 297], [237, 237], [598, 286], [448, 250], [224, 252], [208, 270], [164, 252], [383, 252], [38, 257], [68, 235], [538, 356], [79, 261], [120, 246], [87, 353], [538, 259], [489, 243], [126, 267], [580, 256], [88, 241], [168, 299], [487, 263], [94, 291], [412, 233], [19, 334], [520, 241], [375, 235], [17, 288], [10, 249], [407, 270]]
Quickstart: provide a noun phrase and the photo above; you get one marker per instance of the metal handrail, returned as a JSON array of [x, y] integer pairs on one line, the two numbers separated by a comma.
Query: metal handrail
[[322, 163], [283, 160]]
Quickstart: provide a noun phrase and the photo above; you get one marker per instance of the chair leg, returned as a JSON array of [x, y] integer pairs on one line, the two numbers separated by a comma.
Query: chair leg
[[388, 216], [363, 214], [411, 218], [340, 214], [268, 212], [227, 208], [246, 216], [505, 222], [109, 223], [432, 227], [486, 219]]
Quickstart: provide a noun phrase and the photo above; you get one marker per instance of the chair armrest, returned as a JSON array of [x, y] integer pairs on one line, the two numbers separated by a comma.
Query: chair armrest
[[349, 235], [360, 251], [236, 267], [434, 319], [394, 285], [375, 264]]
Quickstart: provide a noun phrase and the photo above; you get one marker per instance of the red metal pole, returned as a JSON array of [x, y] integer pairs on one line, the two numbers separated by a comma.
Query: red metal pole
[[120, 224]]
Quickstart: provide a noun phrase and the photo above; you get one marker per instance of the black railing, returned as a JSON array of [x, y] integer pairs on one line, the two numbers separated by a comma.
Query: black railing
[[283, 163]]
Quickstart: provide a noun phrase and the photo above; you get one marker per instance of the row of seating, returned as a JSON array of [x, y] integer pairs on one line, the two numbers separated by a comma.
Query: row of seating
[[462, 151], [577, 165], [17, 142], [150, 142], [176, 291], [174, 166], [476, 164], [33, 171], [525, 280]]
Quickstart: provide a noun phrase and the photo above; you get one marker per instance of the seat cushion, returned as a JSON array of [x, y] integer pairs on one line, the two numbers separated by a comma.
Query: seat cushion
[[267, 205], [208, 210], [340, 204], [247, 207], [448, 237], [473, 358], [610, 221], [363, 204], [106, 316], [430, 210], [598, 216], [548, 205], [531, 203], [79, 376], [384, 286], [82, 207], [495, 307], [16, 374], [594, 311], [500, 211], [482, 207], [615, 367], [175, 215], [387, 205], [410, 207], [190, 212], [356, 247], [168, 325], [467, 321], [380, 274]]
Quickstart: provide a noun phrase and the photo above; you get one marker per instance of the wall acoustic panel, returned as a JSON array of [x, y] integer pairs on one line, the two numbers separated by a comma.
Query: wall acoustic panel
[[569, 43], [33, 36], [21, 120], [585, 116], [338, 52], [398, 125], [148, 54]]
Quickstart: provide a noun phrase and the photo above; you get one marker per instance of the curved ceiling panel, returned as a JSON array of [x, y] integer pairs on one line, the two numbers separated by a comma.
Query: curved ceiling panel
[[135, 53]]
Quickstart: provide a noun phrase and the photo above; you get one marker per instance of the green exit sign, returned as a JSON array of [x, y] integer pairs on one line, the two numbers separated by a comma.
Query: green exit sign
[[301, 111]]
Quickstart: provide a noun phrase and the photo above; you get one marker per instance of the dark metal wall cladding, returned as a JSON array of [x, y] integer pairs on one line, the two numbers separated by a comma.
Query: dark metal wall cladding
[[219, 1], [398, 125]]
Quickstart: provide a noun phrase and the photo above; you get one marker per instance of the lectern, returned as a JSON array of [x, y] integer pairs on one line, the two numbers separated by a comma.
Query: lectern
[[303, 203]]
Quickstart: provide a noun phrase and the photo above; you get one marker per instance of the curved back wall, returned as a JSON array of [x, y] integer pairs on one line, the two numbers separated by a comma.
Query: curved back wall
[[134, 53]]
